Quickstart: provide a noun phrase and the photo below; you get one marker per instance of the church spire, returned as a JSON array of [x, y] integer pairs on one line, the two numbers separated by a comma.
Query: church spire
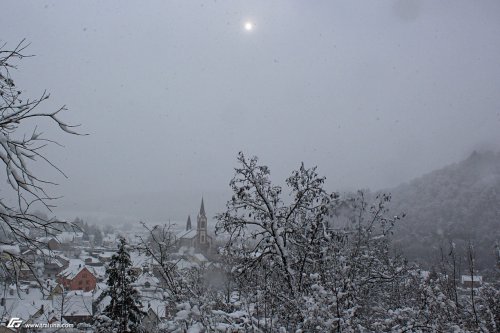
[[188, 224], [202, 209]]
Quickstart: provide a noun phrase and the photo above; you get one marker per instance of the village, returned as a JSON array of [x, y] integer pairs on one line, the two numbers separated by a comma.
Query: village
[[69, 277]]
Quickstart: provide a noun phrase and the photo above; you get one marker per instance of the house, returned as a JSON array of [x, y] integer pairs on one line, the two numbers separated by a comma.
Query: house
[[139, 263], [70, 237], [25, 303], [47, 263], [77, 277], [110, 241], [74, 306], [68, 241], [54, 291], [146, 281], [156, 312], [29, 312], [471, 281], [91, 261], [31, 307], [105, 256], [30, 255], [148, 286], [52, 242], [53, 266], [62, 259]]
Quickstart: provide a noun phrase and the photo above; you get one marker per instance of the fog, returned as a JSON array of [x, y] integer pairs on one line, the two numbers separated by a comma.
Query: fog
[[373, 92]]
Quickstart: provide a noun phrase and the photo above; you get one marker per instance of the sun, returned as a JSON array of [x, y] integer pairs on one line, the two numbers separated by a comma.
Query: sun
[[248, 25]]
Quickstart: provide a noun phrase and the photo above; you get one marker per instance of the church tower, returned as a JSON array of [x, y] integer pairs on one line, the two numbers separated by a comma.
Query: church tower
[[200, 241], [201, 227]]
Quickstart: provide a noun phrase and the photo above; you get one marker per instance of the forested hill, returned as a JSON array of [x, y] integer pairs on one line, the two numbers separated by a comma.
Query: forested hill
[[460, 202]]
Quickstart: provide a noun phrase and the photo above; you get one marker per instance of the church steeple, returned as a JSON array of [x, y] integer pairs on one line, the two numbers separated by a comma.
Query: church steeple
[[201, 225], [188, 223], [202, 209]]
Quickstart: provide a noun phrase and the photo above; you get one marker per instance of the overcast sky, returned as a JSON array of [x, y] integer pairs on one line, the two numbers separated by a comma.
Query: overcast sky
[[373, 92]]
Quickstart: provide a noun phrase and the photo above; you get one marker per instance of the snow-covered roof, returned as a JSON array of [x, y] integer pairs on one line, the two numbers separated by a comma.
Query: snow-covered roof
[[189, 234], [99, 272], [66, 237], [469, 278], [23, 303], [45, 252], [138, 260], [24, 309], [54, 261], [157, 306], [71, 272], [184, 264], [89, 258], [103, 304], [11, 249], [46, 239], [186, 250], [147, 278], [61, 256], [200, 257], [75, 303], [106, 255], [425, 274], [23, 293], [76, 262], [99, 289], [76, 266]]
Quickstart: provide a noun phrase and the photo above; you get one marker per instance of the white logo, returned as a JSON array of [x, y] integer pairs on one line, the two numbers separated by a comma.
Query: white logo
[[14, 322]]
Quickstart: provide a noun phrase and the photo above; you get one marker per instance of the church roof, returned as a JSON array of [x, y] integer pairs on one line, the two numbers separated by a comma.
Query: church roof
[[187, 234]]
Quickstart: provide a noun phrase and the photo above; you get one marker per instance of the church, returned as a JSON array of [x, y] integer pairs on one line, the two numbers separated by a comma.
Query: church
[[196, 238]]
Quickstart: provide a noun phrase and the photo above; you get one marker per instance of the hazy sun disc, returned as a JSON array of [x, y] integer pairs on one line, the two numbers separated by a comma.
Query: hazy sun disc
[[248, 26]]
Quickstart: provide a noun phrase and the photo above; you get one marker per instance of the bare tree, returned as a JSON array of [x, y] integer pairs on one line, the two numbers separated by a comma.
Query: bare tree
[[471, 265], [19, 153], [266, 227], [296, 251], [158, 244]]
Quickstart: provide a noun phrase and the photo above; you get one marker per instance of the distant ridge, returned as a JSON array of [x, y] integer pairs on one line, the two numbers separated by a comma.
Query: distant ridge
[[459, 202]]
